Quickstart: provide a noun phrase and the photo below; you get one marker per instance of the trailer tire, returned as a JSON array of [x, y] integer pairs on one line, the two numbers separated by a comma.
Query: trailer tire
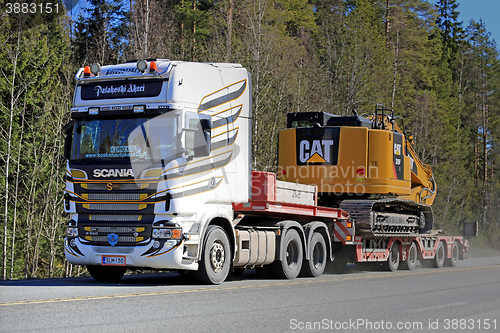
[[290, 263], [411, 260], [107, 273], [452, 262], [215, 258], [439, 255], [392, 262], [316, 264]]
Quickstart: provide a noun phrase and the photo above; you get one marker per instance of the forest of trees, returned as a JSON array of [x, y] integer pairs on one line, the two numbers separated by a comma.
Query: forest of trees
[[439, 74]]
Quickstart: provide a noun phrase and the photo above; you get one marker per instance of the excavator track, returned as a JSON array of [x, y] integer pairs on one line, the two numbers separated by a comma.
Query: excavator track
[[388, 217]]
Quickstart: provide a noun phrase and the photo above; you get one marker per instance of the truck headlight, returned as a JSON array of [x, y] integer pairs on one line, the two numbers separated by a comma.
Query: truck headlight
[[167, 233]]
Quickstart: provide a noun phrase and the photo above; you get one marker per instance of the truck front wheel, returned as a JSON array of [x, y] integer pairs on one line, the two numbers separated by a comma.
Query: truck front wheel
[[290, 263], [107, 273], [215, 258]]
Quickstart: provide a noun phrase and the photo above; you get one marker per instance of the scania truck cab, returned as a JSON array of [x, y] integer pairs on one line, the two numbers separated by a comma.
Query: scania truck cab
[[157, 151]]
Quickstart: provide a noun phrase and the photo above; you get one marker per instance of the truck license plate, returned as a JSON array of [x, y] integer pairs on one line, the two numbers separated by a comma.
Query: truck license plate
[[113, 260]]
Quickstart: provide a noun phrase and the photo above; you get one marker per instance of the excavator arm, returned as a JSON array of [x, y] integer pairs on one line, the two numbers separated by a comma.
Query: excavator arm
[[423, 185]]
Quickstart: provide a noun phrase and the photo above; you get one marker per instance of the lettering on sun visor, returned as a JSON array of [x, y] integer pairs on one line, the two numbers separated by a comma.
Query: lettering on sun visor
[[121, 90]]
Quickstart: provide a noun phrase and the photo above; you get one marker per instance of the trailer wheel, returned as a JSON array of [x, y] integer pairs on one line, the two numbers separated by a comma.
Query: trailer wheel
[[316, 264], [452, 262], [215, 259], [439, 256], [392, 262], [290, 263], [107, 273], [411, 261]]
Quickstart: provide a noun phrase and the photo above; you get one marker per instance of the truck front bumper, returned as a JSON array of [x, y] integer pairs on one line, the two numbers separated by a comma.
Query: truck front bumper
[[157, 255]]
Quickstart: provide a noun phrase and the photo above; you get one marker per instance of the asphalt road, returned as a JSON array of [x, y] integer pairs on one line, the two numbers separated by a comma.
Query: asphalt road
[[461, 299]]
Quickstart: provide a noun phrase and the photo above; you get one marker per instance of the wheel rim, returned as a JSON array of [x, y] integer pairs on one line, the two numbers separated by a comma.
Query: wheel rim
[[440, 253], [292, 254], [217, 256], [317, 256], [412, 256], [394, 255], [454, 254]]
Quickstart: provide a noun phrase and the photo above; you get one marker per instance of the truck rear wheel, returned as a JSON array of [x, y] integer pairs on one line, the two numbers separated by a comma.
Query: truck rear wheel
[[452, 262], [290, 263], [216, 257], [439, 256], [107, 273], [411, 260], [392, 262], [316, 264]]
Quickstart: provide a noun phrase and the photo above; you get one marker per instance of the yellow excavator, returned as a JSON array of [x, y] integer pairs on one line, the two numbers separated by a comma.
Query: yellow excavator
[[365, 165]]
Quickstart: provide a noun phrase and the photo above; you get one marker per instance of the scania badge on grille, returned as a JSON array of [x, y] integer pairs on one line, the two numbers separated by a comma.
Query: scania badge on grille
[[112, 239]]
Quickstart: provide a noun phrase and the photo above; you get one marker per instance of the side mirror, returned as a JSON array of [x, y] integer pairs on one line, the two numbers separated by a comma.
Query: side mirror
[[206, 128], [68, 128], [67, 146], [198, 136], [68, 140]]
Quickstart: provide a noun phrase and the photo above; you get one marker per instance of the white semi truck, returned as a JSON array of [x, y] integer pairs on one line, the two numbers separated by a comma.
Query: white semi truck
[[159, 177]]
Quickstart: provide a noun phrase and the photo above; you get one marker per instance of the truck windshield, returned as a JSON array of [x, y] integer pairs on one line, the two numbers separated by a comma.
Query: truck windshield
[[134, 140]]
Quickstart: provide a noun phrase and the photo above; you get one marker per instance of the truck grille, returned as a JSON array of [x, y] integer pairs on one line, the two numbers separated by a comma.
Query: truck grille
[[115, 218], [116, 196], [115, 207], [121, 230]]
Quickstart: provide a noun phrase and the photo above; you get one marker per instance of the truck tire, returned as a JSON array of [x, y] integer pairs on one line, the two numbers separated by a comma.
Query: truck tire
[[290, 263], [411, 260], [452, 262], [107, 273], [392, 262], [215, 258], [316, 264], [439, 255]]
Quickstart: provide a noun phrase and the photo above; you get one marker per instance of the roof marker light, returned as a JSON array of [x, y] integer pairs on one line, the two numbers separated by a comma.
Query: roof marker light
[[95, 68], [142, 65], [152, 67], [86, 71]]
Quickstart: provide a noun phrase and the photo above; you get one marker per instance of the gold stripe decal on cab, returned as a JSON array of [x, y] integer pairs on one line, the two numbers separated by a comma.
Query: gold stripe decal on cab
[[223, 95]]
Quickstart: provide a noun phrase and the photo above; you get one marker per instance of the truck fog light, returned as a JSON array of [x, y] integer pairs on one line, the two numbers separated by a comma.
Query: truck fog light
[[170, 244], [156, 244], [72, 242]]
